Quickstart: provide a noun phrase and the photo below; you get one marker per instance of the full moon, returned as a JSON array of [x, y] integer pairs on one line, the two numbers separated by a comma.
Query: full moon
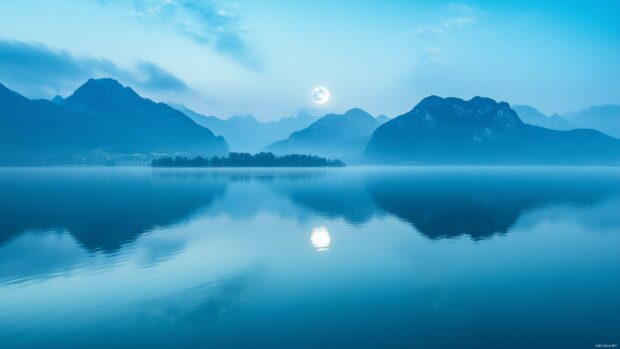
[[320, 238], [320, 95]]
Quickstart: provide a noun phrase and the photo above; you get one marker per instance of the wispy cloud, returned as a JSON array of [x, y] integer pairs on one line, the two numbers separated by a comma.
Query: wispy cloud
[[153, 77], [432, 55], [459, 7], [39, 71], [458, 22], [456, 15], [207, 23]]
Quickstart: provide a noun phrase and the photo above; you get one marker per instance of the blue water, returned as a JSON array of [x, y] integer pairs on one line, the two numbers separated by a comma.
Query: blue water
[[325, 258]]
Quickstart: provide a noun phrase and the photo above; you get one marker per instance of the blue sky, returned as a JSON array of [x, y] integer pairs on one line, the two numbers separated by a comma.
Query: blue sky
[[264, 57]]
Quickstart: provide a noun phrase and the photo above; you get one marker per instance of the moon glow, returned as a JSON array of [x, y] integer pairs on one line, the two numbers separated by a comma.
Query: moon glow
[[320, 95]]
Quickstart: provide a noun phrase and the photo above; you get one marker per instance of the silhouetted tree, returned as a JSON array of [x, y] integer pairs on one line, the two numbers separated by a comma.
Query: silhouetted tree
[[248, 160]]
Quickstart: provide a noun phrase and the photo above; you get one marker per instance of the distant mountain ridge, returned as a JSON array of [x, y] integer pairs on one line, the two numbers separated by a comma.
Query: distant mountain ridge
[[482, 131], [333, 135], [245, 133], [101, 120], [532, 116], [605, 118]]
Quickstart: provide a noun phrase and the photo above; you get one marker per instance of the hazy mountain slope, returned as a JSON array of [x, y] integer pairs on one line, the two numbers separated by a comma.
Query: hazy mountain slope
[[245, 133], [605, 118], [333, 135], [382, 119], [532, 116]]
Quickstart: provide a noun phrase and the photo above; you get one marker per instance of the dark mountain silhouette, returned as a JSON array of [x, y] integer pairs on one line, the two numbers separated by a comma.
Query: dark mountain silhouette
[[532, 116], [245, 133], [137, 124], [36, 131], [604, 118], [451, 130], [340, 136], [101, 120]]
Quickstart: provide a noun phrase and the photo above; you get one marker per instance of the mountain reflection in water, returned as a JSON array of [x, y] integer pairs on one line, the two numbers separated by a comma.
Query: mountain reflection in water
[[106, 208], [365, 257]]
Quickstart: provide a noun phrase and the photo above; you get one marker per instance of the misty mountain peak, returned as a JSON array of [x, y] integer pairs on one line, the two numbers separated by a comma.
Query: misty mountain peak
[[243, 119], [107, 83], [533, 116], [104, 88], [382, 118], [357, 112]]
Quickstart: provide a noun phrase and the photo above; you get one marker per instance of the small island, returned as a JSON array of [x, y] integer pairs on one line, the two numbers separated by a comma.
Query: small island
[[248, 160]]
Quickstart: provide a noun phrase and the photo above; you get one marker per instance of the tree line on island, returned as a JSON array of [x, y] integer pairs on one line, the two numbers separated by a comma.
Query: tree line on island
[[248, 160]]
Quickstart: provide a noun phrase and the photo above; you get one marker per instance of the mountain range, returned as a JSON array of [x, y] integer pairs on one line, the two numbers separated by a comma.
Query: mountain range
[[106, 122], [101, 121], [533, 116], [603, 118], [482, 131], [245, 133]]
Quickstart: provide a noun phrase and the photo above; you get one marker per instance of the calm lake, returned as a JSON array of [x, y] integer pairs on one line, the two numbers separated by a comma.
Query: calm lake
[[515, 257]]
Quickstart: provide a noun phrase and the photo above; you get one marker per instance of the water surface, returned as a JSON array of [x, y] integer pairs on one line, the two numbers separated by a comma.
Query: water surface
[[518, 257]]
